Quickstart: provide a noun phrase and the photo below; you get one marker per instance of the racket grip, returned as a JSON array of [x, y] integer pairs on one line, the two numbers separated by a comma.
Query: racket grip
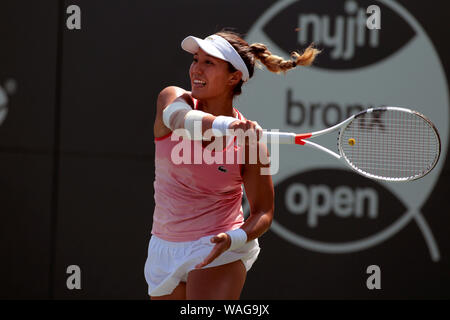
[[278, 137]]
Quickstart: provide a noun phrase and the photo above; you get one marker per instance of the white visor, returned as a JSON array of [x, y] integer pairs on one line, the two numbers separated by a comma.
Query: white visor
[[218, 47]]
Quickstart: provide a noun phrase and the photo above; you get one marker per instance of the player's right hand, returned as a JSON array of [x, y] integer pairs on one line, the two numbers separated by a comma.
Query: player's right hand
[[247, 128]]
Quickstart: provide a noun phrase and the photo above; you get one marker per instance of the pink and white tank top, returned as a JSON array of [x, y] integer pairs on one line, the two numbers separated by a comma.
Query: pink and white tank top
[[195, 199]]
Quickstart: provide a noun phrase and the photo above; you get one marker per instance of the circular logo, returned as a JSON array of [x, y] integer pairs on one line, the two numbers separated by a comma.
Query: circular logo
[[320, 204]]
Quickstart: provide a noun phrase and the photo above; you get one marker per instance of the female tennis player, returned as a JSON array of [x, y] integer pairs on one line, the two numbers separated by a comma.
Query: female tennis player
[[201, 248]]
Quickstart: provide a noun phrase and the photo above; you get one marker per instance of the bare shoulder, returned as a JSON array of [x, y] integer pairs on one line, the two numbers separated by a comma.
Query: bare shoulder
[[169, 94], [166, 97]]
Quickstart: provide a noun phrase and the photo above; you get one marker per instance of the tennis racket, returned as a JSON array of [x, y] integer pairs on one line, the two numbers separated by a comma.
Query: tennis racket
[[387, 143]]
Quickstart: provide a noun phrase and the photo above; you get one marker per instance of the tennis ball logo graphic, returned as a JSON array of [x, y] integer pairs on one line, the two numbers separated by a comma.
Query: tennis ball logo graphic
[[356, 70], [342, 35], [322, 199]]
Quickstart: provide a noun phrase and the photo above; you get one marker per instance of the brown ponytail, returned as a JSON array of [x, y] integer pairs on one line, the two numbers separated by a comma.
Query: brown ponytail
[[277, 64], [258, 51]]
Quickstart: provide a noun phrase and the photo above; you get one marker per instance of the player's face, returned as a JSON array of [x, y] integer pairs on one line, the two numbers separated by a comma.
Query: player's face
[[210, 76]]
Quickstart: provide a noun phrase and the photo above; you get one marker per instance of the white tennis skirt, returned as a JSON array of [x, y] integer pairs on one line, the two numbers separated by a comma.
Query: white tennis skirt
[[169, 262]]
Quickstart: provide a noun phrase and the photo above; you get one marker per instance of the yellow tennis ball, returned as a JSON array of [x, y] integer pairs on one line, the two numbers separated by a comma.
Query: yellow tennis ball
[[351, 141]]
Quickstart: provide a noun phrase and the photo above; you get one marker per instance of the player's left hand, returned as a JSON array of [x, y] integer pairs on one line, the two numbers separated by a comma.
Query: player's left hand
[[222, 243]]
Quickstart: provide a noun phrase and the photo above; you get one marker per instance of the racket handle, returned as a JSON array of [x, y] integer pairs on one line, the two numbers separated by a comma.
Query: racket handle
[[279, 137]]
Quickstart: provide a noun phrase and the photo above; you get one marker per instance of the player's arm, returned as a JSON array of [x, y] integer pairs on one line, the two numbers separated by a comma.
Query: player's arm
[[175, 111], [259, 191], [260, 194], [165, 98]]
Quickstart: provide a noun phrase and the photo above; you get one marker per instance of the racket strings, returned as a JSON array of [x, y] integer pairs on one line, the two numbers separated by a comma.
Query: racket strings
[[391, 144]]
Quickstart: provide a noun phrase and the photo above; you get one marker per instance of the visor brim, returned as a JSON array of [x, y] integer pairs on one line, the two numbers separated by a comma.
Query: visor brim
[[191, 44]]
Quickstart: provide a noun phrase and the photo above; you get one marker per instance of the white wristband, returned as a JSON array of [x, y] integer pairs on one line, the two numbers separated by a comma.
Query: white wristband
[[222, 123], [238, 238], [193, 123], [171, 109]]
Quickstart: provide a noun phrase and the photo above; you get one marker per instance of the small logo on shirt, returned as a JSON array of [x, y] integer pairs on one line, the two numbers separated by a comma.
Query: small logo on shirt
[[222, 168]]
